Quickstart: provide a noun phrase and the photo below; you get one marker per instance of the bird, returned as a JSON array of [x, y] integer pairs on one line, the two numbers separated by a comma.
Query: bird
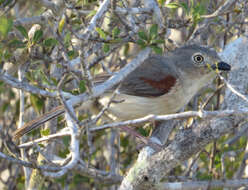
[[162, 84]]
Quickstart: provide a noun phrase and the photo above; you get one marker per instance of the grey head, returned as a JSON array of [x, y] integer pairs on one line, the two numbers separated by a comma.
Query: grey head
[[197, 61]]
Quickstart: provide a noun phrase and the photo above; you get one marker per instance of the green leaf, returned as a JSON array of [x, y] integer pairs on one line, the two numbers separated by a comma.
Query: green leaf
[[192, 3], [72, 54], [5, 25], [142, 43], [44, 78], [158, 41], [2, 86], [50, 42], [185, 7], [153, 31], [124, 142], [143, 35], [82, 87], [23, 31], [45, 132], [161, 2], [101, 33], [61, 25], [116, 40], [92, 13], [143, 132], [6, 54], [54, 80], [66, 141], [126, 49], [67, 39], [79, 179], [157, 50], [172, 5], [17, 44], [106, 48], [37, 36], [5, 3], [115, 32], [5, 106], [196, 11], [61, 180], [36, 102]]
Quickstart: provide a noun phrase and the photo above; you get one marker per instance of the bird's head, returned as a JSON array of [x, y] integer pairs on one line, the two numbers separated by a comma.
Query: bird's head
[[198, 61]]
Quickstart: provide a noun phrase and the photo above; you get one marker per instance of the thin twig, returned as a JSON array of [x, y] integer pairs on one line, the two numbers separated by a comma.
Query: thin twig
[[27, 171], [28, 164], [201, 114], [45, 138], [233, 89]]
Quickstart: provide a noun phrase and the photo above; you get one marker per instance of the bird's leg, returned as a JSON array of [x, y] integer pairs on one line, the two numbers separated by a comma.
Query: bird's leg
[[145, 140]]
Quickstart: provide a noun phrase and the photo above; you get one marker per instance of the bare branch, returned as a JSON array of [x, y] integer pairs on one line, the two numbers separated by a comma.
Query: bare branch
[[220, 10], [103, 176], [13, 82], [115, 79], [74, 147], [28, 164], [45, 138], [134, 10], [100, 12], [151, 118], [27, 171], [195, 185], [152, 4], [41, 19]]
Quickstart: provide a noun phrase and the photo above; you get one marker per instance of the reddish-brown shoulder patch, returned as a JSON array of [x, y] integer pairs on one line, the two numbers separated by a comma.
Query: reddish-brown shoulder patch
[[164, 84]]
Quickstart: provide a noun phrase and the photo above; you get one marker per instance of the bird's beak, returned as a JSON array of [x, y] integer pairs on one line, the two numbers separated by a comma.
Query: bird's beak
[[222, 66]]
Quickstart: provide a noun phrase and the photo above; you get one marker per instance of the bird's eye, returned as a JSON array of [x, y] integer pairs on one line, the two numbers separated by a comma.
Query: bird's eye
[[198, 59]]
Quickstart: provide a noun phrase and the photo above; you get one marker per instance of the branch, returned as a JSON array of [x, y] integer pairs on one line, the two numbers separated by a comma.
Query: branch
[[74, 150], [102, 9], [182, 115], [208, 20], [27, 171], [220, 10], [134, 10], [28, 164], [15, 83], [50, 5], [195, 185], [99, 175], [45, 138], [114, 80], [152, 4], [41, 19]]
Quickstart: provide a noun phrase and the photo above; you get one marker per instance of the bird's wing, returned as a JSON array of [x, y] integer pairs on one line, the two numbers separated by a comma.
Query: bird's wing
[[152, 79]]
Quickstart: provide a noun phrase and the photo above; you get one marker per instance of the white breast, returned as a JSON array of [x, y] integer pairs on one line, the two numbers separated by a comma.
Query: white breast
[[131, 107]]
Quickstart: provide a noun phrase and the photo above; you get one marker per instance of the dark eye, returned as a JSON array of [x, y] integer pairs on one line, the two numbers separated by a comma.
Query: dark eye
[[198, 59]]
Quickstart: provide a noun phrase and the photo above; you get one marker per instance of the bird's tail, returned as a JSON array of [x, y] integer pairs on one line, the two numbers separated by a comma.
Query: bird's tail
[[31, 125]]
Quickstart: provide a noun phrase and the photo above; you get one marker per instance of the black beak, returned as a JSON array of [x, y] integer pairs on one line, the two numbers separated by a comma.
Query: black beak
[[222, 66]]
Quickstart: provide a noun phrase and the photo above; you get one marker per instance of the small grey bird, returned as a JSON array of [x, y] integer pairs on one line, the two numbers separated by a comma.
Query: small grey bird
[[160, 85]]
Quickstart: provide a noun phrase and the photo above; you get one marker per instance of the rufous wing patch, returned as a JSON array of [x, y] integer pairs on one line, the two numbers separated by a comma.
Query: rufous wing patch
[[164, 85]]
